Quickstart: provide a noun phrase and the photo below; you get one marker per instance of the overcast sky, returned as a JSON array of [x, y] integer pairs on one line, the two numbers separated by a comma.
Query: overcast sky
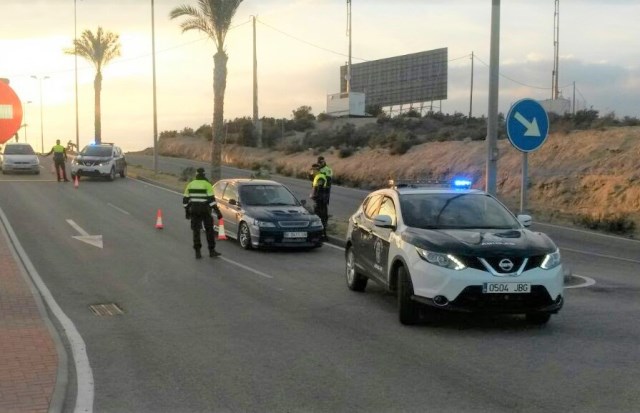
[[301, 45]]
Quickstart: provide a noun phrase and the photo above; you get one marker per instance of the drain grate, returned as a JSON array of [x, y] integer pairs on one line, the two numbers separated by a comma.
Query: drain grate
[[106, 310]]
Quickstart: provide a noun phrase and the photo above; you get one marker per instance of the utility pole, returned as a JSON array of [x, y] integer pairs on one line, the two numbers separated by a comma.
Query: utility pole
[[492, 121], [349, 34], [75, 56], [155, 108], [471, 94], [256, 121], [555, 92], [40, 79]]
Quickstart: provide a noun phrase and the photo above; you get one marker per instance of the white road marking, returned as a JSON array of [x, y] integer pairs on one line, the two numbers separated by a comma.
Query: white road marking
[[237, 264], [118, 209], [95, 240], [601, 255], [84, 374], [587, 282]]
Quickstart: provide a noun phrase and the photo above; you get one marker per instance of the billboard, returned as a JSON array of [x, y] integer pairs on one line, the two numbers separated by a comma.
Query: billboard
[[412, 78]]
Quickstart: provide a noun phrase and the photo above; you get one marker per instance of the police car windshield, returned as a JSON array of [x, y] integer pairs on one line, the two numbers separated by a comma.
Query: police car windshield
[[103, 151], [455, 211], [18, 150], [266, 195]]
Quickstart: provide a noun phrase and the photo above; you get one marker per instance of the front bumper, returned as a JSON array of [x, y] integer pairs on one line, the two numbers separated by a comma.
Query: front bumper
[[266, 238], [94, 170], [463, 290], [21, 167]]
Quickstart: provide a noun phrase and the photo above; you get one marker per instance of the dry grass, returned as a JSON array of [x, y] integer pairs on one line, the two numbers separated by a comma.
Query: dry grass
[[594, 173]]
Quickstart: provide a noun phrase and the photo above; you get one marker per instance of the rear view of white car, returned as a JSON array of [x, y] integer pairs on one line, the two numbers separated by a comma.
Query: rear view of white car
[[19, 157]]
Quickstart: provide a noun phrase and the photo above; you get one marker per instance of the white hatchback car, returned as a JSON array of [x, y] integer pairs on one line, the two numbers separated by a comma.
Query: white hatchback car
[[19, 157], [441, 247]]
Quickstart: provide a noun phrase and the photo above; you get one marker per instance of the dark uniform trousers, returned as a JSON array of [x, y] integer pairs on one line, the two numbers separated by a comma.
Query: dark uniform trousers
[[201, 216], [61, 170]]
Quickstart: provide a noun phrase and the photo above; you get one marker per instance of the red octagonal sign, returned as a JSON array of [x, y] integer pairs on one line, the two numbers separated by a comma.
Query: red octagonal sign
[[10, 112]]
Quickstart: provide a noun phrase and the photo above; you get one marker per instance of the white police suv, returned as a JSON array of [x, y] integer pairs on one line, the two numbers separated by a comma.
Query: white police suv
[[453, 248], [100, 160]]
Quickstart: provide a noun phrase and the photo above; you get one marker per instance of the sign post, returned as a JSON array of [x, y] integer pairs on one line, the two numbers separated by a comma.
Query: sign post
[[10, 112], [527, 128]]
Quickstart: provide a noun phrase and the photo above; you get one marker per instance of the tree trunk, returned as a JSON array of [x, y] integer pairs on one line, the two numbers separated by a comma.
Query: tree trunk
[[219, 86], [97, 86]]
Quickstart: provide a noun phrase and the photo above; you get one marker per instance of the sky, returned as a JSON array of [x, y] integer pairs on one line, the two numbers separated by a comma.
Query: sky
[[301, 45]]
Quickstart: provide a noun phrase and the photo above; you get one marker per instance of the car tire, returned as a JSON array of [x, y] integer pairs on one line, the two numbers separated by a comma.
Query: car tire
[[355, 280], [408, 310], [112, 174], [123, 172], [538, 318], [244, 236]]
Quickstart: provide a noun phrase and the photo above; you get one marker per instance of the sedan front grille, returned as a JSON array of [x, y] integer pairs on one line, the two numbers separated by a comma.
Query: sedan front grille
[[293, 224]]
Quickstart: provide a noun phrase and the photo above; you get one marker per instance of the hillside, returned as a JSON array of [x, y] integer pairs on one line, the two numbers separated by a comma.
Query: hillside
[[587, 177]]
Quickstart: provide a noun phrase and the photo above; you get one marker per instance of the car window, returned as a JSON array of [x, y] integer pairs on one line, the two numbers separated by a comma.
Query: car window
[[94, 150], [18, 150], [230, 192], [266, 195], [388, 208], [372, 206], [218, 189], [455, 210]]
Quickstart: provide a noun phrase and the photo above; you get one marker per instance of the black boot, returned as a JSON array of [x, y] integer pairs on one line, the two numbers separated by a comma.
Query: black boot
[[214, 253], [198, 255]]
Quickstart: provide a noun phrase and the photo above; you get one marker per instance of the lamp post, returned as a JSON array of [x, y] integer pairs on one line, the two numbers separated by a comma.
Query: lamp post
[[24, 118], [75, 55], [155, 110], [40, 79]]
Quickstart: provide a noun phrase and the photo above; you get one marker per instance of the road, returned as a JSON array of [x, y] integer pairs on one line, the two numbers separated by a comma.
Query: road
[[278, 331]]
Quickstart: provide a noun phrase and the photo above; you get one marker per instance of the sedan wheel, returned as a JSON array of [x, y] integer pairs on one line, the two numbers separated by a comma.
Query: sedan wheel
[[244, 236], [355, 281]]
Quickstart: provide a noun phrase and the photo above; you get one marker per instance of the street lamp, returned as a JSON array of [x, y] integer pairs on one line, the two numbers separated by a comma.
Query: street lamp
[[75, 55], [24, 118], [155, 106], [40, 79]]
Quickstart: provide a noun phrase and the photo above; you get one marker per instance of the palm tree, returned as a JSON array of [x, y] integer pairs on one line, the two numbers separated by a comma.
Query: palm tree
[[99, 48], [213, 17]]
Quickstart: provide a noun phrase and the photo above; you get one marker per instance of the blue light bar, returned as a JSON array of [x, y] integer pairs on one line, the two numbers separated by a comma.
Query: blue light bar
[[460, 183]]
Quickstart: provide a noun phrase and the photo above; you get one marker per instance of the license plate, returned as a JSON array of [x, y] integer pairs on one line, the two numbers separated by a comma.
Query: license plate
[[295, 235], [502, 288]]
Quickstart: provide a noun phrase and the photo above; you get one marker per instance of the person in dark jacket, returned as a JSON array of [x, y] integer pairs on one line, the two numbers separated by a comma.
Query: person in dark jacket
[[199, 202], [59, 160]]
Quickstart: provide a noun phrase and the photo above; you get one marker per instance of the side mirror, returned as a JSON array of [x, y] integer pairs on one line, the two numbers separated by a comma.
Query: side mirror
[[304, 202], [383, 221], [525, 220]]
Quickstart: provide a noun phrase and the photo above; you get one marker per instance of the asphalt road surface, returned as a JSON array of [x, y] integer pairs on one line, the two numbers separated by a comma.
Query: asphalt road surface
[[278, 331]]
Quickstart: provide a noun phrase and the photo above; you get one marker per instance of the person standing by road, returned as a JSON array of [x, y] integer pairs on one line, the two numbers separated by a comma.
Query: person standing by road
[[59, 160], [199, 202], [328, 173], [319, 196]]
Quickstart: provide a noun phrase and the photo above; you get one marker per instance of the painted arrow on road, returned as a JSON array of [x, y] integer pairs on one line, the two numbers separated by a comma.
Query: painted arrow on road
[[532, 127], [95, 240]]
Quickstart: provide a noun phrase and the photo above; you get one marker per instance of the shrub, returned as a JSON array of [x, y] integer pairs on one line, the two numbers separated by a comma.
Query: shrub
[[187, 174], [614, 223], [345, 152]]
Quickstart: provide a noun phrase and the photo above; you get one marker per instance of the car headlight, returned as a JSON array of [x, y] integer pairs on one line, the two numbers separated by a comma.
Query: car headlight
[[263, 224], [441, 260], [551, 260], [316, 223]]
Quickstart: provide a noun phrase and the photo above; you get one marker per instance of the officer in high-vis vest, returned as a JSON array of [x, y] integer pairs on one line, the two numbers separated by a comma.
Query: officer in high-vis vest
[[328, 172], [59, 158], [199, 202], [319, 195]]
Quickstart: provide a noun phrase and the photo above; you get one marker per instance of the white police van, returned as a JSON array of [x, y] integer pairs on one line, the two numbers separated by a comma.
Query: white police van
[[449, 247]]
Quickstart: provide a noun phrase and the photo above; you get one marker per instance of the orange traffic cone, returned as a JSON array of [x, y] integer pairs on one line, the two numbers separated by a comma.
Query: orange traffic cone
[[76, 182], [159, 220], [221, 234]]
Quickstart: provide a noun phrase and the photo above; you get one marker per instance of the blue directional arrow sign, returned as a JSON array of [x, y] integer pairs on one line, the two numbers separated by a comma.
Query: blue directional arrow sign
[[527, 125]]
